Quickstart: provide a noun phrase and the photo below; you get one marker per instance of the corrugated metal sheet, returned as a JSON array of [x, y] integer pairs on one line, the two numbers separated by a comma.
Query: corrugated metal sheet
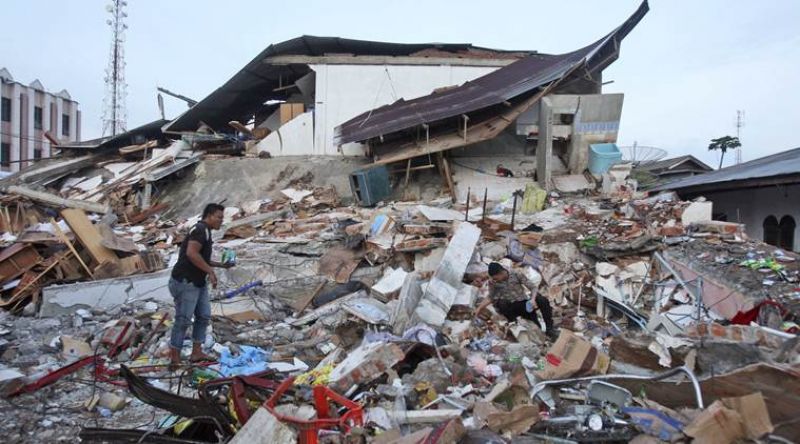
[[245, 92], [781, 164], [521, 77]]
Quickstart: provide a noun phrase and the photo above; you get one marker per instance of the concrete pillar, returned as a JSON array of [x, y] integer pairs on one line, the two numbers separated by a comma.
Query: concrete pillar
[[59, 110], [73, 121], [16, 126], [544, 145], [46, 117], [30, 133]]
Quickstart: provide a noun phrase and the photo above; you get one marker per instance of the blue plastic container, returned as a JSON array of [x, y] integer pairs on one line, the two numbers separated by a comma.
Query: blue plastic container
[[602, 156]]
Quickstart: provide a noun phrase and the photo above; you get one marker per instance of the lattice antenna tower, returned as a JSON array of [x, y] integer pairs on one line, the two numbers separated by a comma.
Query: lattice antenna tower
[[115, 114], [739, 126]]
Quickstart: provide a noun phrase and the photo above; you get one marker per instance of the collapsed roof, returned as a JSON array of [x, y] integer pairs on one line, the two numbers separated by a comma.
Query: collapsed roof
[[245, 93], [138, 135], [518, 85]]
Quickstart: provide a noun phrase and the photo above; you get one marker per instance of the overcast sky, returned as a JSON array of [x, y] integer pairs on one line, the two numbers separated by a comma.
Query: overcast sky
[[685, 69]]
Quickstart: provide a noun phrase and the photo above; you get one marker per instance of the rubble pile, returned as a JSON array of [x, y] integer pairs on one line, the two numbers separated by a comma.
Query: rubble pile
[[348, 324]]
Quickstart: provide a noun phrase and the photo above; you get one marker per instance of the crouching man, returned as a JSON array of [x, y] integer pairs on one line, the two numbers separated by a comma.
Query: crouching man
[[509, 295]]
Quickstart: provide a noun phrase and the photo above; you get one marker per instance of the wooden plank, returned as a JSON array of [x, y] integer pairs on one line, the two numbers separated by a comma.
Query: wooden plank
[[301, 304], [88, 236], [289, 111], [16, 260], [65, 240], [448, 177], [235, 124], [53, 200]]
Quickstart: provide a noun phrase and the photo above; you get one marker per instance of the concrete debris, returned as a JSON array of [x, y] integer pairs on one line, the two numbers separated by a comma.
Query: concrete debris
[[375, 309]]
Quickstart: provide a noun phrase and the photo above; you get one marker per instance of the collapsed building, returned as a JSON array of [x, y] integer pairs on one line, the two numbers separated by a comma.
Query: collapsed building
[[349, 323]]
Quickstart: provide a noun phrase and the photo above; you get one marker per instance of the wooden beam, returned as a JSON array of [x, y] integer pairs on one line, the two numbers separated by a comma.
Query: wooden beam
[[89, 236], [66, 241], [55, 201]]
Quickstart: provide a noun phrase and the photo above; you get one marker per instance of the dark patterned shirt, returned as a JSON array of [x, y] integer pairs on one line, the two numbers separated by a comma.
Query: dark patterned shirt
[[516, 288]]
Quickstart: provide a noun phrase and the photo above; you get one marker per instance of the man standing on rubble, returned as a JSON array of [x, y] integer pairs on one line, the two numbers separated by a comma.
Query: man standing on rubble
[[509, 295], [188, 285]]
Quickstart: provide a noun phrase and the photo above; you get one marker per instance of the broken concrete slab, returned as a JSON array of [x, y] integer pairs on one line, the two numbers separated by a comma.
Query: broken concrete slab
[[428, 261], [240, 309], [368, 310], [410, 294], [365, 364], [264, 428], [697, 212], [390, 283], [719, 227], [572, 183], [329, 308], [438, 297], [10, 380], [439, 214], [105, 294]]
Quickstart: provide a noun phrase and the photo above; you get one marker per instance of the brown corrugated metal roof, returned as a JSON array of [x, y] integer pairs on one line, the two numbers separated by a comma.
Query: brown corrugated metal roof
[[519, 78], [245, 93]]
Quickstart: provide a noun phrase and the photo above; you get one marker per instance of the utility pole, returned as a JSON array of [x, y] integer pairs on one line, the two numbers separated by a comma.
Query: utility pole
[[114, 110], [739, 126]]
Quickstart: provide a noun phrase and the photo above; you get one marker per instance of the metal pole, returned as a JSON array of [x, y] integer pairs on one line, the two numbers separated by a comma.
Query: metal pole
[[513, 211], [699, 301], [485, 194], [466, 215]]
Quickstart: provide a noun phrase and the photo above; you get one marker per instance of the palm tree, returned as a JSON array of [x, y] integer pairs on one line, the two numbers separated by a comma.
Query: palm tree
[[724, 144]]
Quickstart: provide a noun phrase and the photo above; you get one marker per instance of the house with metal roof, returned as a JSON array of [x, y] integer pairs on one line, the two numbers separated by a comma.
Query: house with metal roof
[[675, 168], [763, 193], [301, 89]]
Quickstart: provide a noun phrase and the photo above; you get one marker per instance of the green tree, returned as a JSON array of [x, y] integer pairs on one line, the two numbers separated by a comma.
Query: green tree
[[724, 144]]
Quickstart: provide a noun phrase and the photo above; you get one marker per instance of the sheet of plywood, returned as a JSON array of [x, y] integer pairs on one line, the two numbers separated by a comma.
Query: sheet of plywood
[[289, 111], [88, 235]]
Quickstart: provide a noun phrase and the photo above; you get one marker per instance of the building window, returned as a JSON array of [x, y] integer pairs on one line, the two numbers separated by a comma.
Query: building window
[[786, 233], [5, 154], [771, 230], [37, 153], [37, 117], [5, 110], [65, 124]]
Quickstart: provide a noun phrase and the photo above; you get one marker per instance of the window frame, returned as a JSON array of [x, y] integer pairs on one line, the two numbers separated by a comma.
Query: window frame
[[38, 123], [65, 124], [5, 109], [5, 161]]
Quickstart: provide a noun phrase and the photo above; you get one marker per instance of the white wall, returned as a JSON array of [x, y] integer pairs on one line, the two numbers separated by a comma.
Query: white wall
[[752, 206], [294, 138], [345, 91]]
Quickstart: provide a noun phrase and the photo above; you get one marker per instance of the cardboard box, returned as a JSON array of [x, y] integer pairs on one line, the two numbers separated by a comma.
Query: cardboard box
[[572, 356]]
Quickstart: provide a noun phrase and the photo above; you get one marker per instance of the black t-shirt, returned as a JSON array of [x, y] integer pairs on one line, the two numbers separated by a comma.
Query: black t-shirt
[[184, 269]]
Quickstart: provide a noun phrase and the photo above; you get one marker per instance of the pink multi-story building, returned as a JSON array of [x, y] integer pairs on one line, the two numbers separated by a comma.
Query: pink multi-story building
[[27, 112]]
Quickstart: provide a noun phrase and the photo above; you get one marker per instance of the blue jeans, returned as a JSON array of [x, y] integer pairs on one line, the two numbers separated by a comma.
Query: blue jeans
[[189, 300]]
